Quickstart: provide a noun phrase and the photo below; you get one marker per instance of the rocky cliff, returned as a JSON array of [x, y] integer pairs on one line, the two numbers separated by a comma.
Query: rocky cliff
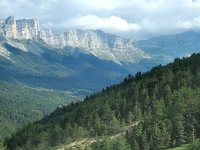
[[20, 29], [1, 22], [103, 45], [1, 25]]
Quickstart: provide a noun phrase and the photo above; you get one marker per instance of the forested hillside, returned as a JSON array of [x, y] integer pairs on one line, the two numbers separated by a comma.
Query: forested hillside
[[164, 102], [20, 105]]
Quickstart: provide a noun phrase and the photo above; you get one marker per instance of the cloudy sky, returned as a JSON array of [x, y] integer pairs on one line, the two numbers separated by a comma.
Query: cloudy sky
[[137, 19]]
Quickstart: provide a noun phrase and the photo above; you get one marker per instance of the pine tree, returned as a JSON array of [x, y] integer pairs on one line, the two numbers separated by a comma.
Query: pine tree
[[144, 141], [191, 133], [164, 136], [178, 137], [2, 147], [137, 112], [130, 117], [106, 143], [166, 93], [121, 144], [135, 145], [153, 139]]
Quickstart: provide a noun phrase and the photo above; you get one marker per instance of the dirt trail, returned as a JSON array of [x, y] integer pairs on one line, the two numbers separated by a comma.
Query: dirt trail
[[89, 141]]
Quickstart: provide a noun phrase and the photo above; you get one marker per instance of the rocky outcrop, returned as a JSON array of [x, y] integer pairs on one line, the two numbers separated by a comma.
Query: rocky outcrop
[[2, 22], [28, 29], [1, 25], [10, 27], [20, 29]]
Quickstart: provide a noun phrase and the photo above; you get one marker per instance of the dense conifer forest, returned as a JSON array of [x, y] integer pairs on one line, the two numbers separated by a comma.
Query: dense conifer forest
[[21, 104], [162, 103]]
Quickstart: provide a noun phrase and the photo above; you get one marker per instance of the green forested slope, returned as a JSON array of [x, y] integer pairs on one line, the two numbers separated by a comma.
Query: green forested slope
[[20, 105], [165, 102]]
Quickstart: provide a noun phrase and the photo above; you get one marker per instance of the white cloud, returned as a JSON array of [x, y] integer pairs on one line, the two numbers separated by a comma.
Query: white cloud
[[93, 22], [100, 4], [189, 24]]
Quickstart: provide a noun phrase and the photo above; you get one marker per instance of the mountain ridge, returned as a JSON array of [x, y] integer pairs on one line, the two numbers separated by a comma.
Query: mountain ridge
[[103, 45]]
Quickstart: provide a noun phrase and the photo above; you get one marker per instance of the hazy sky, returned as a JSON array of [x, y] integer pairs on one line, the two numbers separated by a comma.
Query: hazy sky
[[137, 19]]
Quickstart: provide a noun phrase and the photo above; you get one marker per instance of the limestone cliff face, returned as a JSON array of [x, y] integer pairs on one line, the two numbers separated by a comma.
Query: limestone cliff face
[[1, 25], [49, 37], [2, 22], [20, 29], [27, 29], [103, 45], [10, 27]]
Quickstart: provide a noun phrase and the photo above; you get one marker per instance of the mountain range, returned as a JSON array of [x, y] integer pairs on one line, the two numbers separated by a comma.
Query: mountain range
[[170, 46], [104, 46], [83, 60]]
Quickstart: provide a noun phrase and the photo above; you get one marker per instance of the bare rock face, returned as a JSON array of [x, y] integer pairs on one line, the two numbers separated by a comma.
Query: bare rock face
[[1, 25], [49, 37], [27, 29], [103, 45], [20, 29], [10, 27], [2, 22]]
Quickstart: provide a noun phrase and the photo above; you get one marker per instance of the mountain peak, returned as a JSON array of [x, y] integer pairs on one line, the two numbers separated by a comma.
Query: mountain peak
[[20, 29], [10, 19], [1, 22]]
